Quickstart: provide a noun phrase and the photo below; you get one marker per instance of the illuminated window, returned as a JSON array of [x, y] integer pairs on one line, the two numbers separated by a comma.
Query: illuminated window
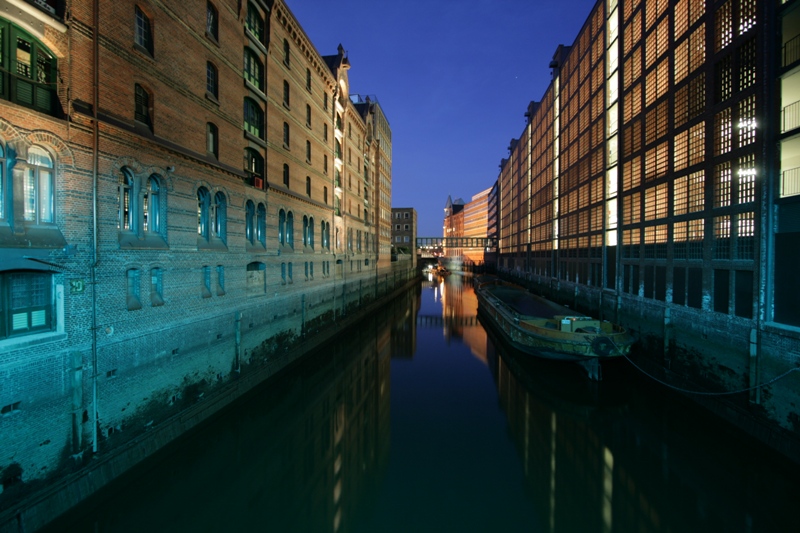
[[722, 132], [747, 179], [38, 187], [747, 64], [747, 121], [656, 161], [723, 26], [747, 15], [722, 237], [722, 184]]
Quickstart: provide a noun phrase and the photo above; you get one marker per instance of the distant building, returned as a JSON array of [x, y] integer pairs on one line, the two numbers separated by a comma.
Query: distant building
[[404, 232], [463, 221]]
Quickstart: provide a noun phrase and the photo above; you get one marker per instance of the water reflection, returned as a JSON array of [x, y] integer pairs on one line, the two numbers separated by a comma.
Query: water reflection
[[624, 456], [305, 452], [418, 420]]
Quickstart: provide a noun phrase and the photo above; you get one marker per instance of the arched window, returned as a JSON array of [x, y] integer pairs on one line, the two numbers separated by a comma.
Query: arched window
[[253, 69], [286, 53], [29, 70], [253, 118], [127, 201], [324, 235], [203, 212], [256, 278], [261, 224], [212, 140], [282, 227], [255, 23], [212, 80], [249, 221], [142, 106], [2, 183], [305, 230], [290, 229], [152, 205], [212, 21], [286, 175], [254, 162], [220, 215], [39, 187], [143, 35], [133, 297], [286, 93], [311, 232], [286, 135]]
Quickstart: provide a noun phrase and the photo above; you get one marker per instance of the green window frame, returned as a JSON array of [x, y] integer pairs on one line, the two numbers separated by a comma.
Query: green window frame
[[27, 70]]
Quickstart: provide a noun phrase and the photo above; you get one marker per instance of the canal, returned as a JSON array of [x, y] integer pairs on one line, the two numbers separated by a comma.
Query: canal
[[417, 420]]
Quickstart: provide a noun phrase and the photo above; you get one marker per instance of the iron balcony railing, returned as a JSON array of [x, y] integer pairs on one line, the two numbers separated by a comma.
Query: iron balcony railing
[[790, 117], [791, 51], [790, 182]]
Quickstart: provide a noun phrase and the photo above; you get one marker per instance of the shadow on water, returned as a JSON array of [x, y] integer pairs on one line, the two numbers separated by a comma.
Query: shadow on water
[[474, 437]]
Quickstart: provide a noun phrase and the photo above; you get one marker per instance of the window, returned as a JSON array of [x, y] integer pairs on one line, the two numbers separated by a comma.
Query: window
[[308, 186], [203, 212], [325, 164], [26, 303], [308, 79], [290, 230], [212, 140], [220, 280], [261, 224], [28, 70], [250, 221], [325, 103], [305, 231], [325, 132], [286, 53], [282, 227], [156, 287], [151, 206], [220, 215], [255, 23], [253, 162], [308, 151], [143, 31], [286, 175], [212, 80], [256, 278], [253, 118], [253, 69], [325, 195], [286, 135], [286, 93], [2, 183], [39, 188], [311, 232], [206, 282], [142, 110], [308, 115], [212, 21], [133, 300]]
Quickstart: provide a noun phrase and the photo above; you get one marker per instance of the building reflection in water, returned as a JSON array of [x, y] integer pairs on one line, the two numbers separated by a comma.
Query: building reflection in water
[[633, 461], [459, 312], [307, 451]]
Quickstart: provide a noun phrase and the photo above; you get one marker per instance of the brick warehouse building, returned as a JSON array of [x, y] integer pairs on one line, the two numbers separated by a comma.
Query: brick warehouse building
[[179, 199], [656, 183]]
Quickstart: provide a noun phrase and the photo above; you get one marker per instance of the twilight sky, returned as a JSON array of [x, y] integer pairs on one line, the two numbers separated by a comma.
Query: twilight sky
[[454, 78]]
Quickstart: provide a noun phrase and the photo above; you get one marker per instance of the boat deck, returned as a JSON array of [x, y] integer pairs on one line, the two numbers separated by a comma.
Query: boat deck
[[525, 303]]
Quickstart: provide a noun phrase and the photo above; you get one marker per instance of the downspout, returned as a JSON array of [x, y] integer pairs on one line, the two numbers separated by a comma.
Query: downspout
[[95, 155]]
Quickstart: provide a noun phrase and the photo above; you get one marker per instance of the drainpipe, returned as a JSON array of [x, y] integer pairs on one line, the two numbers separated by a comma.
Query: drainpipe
[[95, 155]]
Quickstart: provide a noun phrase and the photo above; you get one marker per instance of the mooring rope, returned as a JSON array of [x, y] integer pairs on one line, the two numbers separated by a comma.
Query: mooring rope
[[705, 393], [700, 393]]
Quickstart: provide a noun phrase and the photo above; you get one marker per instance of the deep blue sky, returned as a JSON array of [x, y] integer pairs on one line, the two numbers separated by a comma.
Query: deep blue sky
[[454, 78]]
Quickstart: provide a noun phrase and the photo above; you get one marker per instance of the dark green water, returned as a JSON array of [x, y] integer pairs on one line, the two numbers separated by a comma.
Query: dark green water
[[414, 422]]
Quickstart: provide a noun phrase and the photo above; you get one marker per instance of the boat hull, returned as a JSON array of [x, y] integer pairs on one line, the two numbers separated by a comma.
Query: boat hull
[[531, 334]]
